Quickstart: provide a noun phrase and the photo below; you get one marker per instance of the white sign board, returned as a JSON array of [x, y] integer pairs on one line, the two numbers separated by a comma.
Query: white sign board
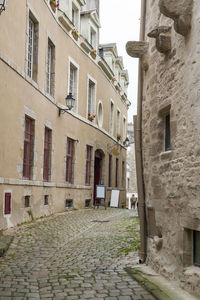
[[114, 201], [100, 192]]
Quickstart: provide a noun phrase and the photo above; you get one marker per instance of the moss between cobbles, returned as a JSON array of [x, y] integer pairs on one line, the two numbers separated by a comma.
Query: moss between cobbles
[[5, 241], [159, 291]]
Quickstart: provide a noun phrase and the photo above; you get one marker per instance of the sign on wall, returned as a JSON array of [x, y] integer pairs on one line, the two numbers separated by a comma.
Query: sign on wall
[[114, 201], [100, 191]]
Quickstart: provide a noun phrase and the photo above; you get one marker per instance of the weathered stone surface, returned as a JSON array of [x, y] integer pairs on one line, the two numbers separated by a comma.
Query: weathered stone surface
[[136, 49], [174, 9], [180, 11]]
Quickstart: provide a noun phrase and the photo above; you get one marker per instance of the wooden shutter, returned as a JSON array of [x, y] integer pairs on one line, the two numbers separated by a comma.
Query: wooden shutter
[[69, 160], [28, 148], [47, 154], [88, 165], [7, 206]]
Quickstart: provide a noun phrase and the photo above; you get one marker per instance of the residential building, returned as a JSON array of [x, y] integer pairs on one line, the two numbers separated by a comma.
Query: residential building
[[168, 119], [51, 157]]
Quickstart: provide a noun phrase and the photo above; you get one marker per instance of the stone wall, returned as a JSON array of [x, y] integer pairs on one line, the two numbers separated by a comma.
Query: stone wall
[[172, 189]]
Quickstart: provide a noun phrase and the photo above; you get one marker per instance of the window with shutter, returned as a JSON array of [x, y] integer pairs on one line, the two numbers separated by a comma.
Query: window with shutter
[[70, 160], [28, 148], [7, 204], [88, 165], [47, 154]]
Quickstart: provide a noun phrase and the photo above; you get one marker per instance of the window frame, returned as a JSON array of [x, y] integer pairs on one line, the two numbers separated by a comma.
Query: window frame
[[50, 68], [29, 131], [7, 205], [88, 164], [69, 177], [73, 86], [167, 132], [32, 47], [116, 172], [91, 96], [47, 154], [111, 117]]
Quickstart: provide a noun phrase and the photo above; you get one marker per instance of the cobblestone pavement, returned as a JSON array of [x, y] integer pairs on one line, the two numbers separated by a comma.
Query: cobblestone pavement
[[74, 255]]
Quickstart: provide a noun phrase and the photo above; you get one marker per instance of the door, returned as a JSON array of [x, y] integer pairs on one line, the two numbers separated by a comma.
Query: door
[[97, 175]]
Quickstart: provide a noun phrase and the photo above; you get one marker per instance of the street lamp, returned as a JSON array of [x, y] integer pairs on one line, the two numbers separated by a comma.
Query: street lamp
[[2, 5], [126, 142], [69, 103]]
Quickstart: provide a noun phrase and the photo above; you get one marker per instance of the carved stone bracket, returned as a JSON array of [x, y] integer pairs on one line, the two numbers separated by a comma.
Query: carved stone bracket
[[180, 11], [162, 35], [136, 49]]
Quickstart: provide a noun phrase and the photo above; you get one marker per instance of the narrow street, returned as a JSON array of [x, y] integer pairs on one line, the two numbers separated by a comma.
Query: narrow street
[[74, 255]]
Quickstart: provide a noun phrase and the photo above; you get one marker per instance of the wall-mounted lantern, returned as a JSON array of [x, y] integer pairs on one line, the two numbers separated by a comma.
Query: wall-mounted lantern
[[2, 5], [69, 103]]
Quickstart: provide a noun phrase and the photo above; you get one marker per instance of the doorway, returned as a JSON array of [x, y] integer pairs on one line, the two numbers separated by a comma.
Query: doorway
[[98, 165]]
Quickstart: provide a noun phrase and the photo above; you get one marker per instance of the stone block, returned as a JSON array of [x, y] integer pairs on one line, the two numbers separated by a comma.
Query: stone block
[[136, 48]]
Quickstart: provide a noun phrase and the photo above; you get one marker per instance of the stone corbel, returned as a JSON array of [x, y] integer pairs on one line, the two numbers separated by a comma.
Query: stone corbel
[[162, 35], [180, 11], [138, 49]]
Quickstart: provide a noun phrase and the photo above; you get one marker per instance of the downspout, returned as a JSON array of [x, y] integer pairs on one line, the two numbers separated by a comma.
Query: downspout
[[138, 147]]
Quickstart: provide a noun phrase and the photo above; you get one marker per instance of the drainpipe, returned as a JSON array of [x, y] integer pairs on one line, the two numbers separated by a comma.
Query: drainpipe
[[138, 148]]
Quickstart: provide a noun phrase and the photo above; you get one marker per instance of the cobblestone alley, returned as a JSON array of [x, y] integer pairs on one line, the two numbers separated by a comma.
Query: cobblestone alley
[[74, 255]]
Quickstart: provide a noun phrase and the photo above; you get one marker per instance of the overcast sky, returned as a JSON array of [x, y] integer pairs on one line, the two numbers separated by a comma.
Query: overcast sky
[[119, 24]]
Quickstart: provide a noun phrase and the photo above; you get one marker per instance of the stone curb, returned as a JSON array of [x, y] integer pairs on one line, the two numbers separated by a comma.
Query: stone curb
[[160, 288]]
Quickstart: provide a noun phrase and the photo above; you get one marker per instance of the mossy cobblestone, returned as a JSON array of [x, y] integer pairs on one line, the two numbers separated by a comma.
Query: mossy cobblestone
[[69, 256]]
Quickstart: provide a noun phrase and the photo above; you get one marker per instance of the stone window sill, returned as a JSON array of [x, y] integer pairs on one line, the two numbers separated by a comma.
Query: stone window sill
[[166, 155], [192, 270]]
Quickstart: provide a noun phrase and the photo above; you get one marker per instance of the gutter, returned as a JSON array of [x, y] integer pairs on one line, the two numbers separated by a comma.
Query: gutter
[[138, 145]]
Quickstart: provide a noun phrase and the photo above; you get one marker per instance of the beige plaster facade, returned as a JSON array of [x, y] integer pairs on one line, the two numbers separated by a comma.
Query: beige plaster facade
[[169, 60], [22, 95]]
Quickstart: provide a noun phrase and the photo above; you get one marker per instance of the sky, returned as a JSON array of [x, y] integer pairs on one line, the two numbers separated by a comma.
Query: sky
[[120, 23]]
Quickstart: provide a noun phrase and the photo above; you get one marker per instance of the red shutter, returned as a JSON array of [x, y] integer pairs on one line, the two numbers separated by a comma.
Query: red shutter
[[28, 148], [88, 165], [47, 154], [69, 160], [7, 207]]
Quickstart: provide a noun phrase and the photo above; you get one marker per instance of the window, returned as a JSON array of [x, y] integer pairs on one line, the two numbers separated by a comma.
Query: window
[[123, 173], [7, 204], [46, 199], [27, 201], [50, 73], [47, 154], [69, 203], [167, 133], [69, 160], [196, 247], [93, 38], [73, 83], [100, 114], [28, 148], [32, 48], [116, 172], [118, 122], [110, 171], [111, 117], [124, 128], [88, 165], [91, 97], [75, 14]]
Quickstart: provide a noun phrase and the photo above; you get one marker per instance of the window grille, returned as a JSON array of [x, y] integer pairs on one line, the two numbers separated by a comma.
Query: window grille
[[27, 201]]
